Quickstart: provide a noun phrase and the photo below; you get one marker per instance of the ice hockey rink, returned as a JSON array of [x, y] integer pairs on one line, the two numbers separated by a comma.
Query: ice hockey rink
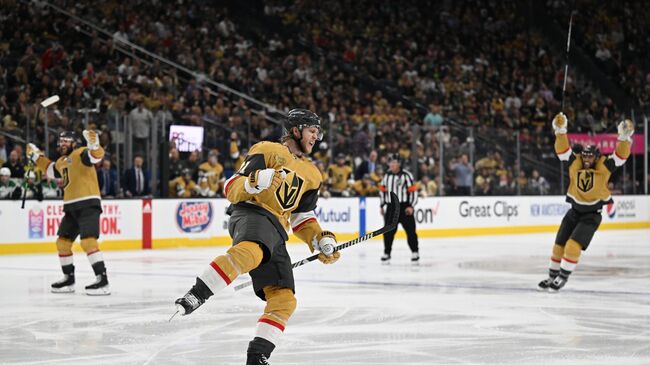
[[469, 301]]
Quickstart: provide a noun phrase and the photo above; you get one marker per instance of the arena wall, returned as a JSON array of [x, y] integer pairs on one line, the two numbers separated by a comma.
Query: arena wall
[[173, 223]]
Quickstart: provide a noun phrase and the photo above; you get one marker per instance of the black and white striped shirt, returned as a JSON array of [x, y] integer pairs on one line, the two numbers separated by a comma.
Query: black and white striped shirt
[[400, 183]]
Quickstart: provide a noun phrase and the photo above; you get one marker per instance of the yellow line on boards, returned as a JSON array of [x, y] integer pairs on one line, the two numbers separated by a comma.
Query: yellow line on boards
[[169, 243]]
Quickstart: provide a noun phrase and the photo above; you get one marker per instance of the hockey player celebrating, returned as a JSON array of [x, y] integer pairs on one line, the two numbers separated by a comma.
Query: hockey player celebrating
[[589, 173], [81, 205], [275, 189]]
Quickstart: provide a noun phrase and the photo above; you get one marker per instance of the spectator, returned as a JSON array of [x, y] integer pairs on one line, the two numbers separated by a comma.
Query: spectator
[[182, 186], [51, 188], [339, 175], [434, 116], [140, 119], [522, 181], [136, 180], [7, 185], [15, 165], [537, 184], [212, 170], [192, 164], [365, 187], [428, 187], [176, 166], [462, 175], [368, 166], [33, 187], [203, 188], [4, 150], [107, 179]]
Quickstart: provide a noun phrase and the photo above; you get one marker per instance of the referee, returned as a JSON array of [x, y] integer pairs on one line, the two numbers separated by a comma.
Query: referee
[[401, 183]]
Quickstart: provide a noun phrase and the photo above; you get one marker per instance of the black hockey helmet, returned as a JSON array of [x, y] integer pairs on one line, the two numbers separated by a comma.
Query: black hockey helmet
[[67, 136], [590, 150], [303, 118], [395, 157]]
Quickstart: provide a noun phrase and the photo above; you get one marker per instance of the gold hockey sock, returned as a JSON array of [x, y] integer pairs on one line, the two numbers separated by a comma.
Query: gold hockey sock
[[280, 305], [64, 247], [556, 259], [95, 256], [240, 259], [572, 252]]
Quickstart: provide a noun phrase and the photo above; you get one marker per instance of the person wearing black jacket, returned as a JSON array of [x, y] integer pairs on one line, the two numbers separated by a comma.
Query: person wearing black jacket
[[401, 183]]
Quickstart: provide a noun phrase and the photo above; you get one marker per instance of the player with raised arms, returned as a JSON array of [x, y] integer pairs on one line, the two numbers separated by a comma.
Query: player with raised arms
[[81, 205], [589, 173]]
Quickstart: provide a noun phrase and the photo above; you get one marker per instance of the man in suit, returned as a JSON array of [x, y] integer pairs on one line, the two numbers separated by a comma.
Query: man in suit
[[136, 179], [107, 178], [368, 166]]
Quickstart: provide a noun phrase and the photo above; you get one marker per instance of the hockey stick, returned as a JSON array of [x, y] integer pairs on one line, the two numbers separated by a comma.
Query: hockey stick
[[392, 219], [30, 168], [566, 59]]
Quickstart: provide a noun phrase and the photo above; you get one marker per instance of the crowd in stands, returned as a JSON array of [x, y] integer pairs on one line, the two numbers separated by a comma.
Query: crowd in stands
[[473, 64], [616, 36]]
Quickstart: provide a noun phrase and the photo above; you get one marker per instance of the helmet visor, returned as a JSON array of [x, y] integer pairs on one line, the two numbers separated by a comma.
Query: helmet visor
[[320, 134]]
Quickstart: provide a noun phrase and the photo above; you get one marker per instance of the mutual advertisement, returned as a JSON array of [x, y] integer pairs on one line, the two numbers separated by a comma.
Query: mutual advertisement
[[338, 214]]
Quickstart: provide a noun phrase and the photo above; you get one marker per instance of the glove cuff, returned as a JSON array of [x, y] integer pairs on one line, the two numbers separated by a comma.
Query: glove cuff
[[315, 243], [250, 185], [560, 130], [624, 138]]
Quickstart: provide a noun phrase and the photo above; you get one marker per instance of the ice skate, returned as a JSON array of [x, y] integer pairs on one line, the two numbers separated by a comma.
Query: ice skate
[[65, 285], [385, 258], [99, 287], [545, 284], [188, 303], [257, 359], [415, 257], [558, 283]]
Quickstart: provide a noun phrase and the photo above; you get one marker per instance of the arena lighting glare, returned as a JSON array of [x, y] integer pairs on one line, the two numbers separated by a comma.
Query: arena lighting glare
[[49, 101]]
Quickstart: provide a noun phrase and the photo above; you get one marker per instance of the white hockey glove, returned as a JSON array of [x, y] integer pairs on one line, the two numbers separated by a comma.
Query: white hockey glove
[[325, 242], [92, 139], [260, 180], [32, 152], [625, 130], [560, 123]]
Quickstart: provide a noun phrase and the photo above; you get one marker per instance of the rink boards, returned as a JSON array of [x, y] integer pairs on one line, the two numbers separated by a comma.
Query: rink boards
[[169, 223]]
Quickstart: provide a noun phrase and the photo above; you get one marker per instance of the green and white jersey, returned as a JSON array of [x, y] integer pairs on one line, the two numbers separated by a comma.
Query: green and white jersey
[[6, 188]]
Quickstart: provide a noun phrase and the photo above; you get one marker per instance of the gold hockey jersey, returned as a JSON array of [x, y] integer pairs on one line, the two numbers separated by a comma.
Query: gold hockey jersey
[[339, 176], [213, 173], [588, 189], [293, 202], [80, 186]]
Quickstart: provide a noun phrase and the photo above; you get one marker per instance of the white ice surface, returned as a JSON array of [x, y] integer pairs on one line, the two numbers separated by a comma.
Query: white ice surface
[[469, 301]]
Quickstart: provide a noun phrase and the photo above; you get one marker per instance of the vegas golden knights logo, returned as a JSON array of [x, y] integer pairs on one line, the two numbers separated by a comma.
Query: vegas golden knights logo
[[585, 180], [288, 192]]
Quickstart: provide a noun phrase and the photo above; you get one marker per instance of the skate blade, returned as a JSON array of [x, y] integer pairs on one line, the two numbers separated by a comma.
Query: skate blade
[[63, 290], [173, 315], [98, 292], [542, 290]]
